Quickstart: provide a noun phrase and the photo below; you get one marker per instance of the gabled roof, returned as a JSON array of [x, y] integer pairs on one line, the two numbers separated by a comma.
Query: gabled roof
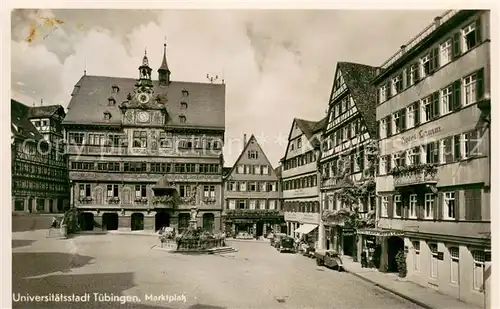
[[205, 102], [278, 170], [163, 183], [252, 138], [357, 78], [21, 126], [309, 128], [226, 171], [44, 111]]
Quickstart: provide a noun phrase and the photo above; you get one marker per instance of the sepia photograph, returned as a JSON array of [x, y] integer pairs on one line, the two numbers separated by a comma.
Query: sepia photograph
[[250, 158]]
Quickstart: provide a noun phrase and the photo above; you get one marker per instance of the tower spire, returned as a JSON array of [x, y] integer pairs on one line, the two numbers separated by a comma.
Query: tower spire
[[164, 71]]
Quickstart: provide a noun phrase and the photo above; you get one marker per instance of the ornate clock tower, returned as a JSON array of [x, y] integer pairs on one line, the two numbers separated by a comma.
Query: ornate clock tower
[[144, 106]]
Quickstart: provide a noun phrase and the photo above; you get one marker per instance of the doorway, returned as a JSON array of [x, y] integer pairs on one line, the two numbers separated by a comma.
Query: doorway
[[260, 229], [162, 219], [110, 221], [394, 245], [208, 222], [87, 221], [137, 222]]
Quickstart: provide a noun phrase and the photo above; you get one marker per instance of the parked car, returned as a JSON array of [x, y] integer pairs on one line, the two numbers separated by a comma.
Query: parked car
[[310, 252], [276, 238], [286, 244], [329, 258]]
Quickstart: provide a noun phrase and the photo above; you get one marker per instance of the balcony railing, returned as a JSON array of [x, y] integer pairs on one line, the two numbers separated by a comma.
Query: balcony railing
[[415, 178]]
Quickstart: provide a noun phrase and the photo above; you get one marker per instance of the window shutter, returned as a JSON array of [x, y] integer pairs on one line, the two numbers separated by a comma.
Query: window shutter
[[435, 104], [406, 78], [436, 58], [417, 112], [406, 205], [378, 97], [432, 60], [457, 205], [417, 72], [388, 90], [390, 207], [438, 206], [478, 31], [420, 206], [477, 204], [389, 126], [389, 163], [455, 45], [456, 94], [479, 84], [403, 119]]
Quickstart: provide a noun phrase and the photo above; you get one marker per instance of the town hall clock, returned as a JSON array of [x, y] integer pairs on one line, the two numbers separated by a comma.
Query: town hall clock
[[143, 98], [143, 117]]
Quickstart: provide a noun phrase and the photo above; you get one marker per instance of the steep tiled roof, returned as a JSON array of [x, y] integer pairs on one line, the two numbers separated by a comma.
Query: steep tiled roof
[[20, 124], [278, 171], [43, 111], [205, 102], [357, 78], [310, 128], [226, 171]]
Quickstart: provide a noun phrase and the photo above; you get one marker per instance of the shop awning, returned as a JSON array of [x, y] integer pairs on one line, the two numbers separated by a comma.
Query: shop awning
[[380, 232], [306, 228]]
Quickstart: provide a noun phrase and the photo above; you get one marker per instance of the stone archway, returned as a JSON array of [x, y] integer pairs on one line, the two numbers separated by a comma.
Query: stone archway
[[394, 245], [87, 221], [110, 221], [137, 221], [162, 219], [208, 222]]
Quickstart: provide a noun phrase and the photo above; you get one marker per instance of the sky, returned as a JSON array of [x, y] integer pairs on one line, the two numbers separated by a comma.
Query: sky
[[277, 64]]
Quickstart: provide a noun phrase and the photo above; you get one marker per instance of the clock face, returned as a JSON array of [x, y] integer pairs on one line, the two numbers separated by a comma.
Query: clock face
[[143, 98], [143, 117]]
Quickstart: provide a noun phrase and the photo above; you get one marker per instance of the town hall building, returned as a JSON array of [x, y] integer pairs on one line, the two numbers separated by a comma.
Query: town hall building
[[129, 137]]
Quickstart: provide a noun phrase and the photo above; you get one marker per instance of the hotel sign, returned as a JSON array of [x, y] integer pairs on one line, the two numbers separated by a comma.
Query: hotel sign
[[421, 134]]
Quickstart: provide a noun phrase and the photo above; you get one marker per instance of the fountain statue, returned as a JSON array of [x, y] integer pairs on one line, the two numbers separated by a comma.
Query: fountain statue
[[193, 220]]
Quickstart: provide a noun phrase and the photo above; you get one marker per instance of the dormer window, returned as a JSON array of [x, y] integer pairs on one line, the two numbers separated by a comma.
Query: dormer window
[[185, 93], [115, 89], [75, 90], [111, 101], [107, 116], [184, 105], [182, 119]]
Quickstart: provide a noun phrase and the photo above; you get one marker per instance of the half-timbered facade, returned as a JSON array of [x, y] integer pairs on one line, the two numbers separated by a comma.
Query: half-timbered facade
[[125, 134], [434, 170], [251, 194], [300, 180], [350, 128], [39, 167]]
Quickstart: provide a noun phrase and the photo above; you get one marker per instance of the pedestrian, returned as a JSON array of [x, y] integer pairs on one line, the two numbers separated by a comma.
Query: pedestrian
[[53, 225]]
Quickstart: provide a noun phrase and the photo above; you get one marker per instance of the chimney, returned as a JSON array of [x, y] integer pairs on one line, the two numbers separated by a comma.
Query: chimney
[[244, 140], [437, 21]]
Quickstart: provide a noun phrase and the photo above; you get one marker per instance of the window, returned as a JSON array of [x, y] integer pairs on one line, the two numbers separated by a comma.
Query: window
[[291, 146], [265, 170], [383, 128], [470, 37], [397, 84], [232, 204], [112, 191], [414, 155], [457, 147], [299, 143], [134, 166], [447, 100], [396, 122], [182, 119], [241, 169], [271, 186], [426, 109], [429, 206], [434, 261], [272, 204], [397, 206], [413, 75], [472, 140], [252, 187], [470, 89], [140, 191], [416, 257], [140, 139], [45, 123], [85, 190], [37, 124], [114, 139], [473, 204], [184, 105], [425, 63], [410, 114], [383, 93], [413, 206], [247, 169], [447, 153], [241, 204], [454, 260], [445, 52], [432, 152], [165, 142], [209, 192], [383, 165], [479, 259], [384, 206], [243, 186], [76, 138], [449, 205], [398, 159], [252, 154], [252, 204], [262, 204]]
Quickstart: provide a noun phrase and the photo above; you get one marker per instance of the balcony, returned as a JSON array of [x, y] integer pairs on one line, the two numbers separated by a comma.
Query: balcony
[[414, 175]]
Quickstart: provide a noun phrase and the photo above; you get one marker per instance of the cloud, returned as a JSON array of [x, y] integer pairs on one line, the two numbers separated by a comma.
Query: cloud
[[277, 65]]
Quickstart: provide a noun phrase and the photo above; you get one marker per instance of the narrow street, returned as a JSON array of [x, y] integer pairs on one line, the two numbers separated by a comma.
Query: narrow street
[[257, 276]]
